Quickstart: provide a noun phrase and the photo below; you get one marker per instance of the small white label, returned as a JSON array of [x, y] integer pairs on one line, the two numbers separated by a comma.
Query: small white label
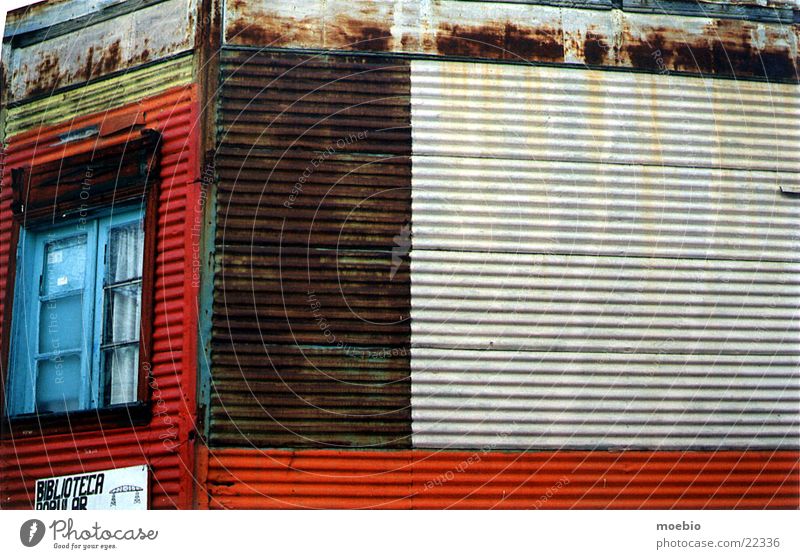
[[63, 280], [55, 257]]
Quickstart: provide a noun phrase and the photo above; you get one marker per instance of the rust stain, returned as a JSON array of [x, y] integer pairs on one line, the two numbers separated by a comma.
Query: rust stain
[[273, 30], [110, 59], [506, 41], [645, 53], [242, 32], [720, 47], [87, 70], [732, 51], [47, 75], [724, 48], [351, 33], [595, 49]]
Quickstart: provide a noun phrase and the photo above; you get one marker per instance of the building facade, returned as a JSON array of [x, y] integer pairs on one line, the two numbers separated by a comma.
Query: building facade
[[398, 254]]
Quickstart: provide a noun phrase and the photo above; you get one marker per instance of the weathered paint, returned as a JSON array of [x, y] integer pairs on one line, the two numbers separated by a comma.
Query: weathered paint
[[96, 47], [42, 15], [101, 95], [166, 442], [274, 479], [521, 32], [310, 329]]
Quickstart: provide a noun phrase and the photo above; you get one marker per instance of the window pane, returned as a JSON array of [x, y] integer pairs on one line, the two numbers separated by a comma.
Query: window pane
[[58, 384], [122, 313], [61, 324], [64, 265], [121, 366], [126, 245]]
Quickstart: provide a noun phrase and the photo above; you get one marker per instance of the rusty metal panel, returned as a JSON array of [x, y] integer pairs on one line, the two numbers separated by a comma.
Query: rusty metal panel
[[102, 95], [318, 479], [778, 11], [165, 441], [43, 15], [327, 104], [94, 48], [713, 44], [337, 204], [310, 329]]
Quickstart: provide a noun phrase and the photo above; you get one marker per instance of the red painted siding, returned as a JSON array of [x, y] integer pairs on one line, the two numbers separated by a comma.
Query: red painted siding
[[428, 479], [165, 443]]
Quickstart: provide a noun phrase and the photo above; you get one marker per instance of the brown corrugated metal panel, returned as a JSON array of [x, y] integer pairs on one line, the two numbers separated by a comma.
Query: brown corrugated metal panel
[[300, 396], [286, 102], [519, 32], [51, 47], [274, 295], [349, 200], [311, 307], [250, 479]]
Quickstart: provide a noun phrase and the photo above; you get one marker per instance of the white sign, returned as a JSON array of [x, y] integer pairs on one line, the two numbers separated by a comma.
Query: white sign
[[119, 489]]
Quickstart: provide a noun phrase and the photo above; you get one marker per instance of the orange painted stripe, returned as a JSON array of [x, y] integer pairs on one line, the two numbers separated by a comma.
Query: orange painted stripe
[[248, 479]]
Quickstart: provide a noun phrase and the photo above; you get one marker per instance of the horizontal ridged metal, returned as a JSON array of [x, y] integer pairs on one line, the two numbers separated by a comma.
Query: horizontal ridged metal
[[248, 479], [603, 260], [530, 400], [163, 442], [309, 395], [346, 200], [561, 114], [596, 303], [271, 295], [310, 329], [288, 102], [100, 96], [535, 206]]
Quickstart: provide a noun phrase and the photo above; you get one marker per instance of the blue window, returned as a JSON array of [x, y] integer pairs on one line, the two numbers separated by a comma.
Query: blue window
[[76, 317]]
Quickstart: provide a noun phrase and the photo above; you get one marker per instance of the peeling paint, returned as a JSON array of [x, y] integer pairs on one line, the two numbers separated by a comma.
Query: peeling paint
[[521, 32], [129, 40]]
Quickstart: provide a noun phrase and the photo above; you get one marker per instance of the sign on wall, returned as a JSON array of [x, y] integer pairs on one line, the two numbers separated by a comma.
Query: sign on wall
[[118, 489]]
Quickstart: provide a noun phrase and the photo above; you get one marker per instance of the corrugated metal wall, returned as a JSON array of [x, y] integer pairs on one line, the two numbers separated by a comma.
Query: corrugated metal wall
[[247, 478], [310, 323], [603, 260], [164, 444]]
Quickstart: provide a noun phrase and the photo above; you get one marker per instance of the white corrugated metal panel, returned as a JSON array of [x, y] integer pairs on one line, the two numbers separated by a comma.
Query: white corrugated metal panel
[[603, 260], [552, 351], [475, 300], [561, 114], [500, 399], [584, 208]]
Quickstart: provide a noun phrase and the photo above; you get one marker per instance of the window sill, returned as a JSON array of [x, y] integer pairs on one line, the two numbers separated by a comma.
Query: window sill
[[113, 417]]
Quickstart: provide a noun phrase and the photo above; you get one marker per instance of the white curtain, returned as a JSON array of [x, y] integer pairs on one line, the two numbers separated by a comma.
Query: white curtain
[[122, 363]]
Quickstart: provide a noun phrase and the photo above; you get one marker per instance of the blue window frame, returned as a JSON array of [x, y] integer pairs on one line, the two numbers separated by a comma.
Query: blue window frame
[[76, 317]]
